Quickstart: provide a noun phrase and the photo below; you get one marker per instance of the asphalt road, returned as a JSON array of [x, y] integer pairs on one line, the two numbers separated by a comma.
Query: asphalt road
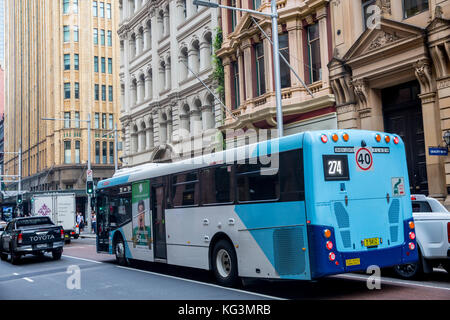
[[84, 274]]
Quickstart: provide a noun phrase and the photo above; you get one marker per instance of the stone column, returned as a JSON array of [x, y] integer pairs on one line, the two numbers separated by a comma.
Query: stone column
[[149, 132], [148, 80], [133, 93], [168, 77], [207, 117], [166, 23], [242, 79], [196, 124], [250, 69], [205, 55], [140, 90], [323, 32], [147, 39], [193, 60], [169, 126], [182, 70], [162, 78], [294, 29], [227, 76]]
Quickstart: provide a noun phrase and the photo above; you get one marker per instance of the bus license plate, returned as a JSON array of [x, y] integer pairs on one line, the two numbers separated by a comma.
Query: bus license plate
[[372, 242], [353, 262]]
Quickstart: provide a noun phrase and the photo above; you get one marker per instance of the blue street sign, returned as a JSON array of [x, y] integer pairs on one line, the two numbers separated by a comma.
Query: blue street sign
[[438, 151]]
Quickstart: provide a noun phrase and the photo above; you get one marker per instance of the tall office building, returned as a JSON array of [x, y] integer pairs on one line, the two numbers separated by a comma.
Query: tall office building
[[62, 61]]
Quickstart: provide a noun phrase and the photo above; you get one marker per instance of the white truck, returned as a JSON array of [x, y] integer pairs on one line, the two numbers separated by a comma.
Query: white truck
[[61, 209], [432, 225]]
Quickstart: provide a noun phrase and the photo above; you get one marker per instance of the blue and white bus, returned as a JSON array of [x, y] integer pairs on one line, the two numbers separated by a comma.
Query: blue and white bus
[[299, 207]]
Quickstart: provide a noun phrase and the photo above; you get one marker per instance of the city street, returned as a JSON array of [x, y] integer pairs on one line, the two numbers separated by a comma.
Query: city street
[[101, 278]]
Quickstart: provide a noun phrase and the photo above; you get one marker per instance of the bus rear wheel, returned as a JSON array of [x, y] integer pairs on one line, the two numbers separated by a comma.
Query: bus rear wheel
[[119, 250], [224, 263]]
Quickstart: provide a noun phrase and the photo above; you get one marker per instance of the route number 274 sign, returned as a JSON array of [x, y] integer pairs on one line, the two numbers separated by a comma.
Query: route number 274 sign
[[364, 159]]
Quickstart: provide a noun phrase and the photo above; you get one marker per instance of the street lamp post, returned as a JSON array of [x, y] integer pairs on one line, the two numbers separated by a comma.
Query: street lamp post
[[276, 58], [89, 177]]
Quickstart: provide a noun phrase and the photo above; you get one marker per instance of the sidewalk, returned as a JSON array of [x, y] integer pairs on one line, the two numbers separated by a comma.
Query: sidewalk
[[86, 234]]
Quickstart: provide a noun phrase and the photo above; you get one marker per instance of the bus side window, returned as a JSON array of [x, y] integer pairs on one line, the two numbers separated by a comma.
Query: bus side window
[[185, 189], [292, 176], [256, 182], [216, 185]]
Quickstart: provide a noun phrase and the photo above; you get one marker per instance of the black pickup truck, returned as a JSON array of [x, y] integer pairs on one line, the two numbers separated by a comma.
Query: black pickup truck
[[33, 235]]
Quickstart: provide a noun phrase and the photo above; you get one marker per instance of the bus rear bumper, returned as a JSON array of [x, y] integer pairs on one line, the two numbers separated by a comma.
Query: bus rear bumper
[[355, 261]]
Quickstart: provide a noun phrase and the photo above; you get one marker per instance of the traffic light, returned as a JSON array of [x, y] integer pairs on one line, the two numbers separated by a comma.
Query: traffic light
[[19, 199], [90, 187]]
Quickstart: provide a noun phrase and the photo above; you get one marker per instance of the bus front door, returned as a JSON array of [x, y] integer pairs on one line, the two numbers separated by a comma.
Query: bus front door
[[159, 223], [103, 225]]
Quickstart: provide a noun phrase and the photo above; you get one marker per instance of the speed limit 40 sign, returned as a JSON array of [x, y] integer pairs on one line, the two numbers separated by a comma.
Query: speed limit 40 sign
[[364, 159]]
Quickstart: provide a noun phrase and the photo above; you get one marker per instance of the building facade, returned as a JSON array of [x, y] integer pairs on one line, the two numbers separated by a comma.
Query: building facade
[[391, 72], [167, 113], [62, 62], [305, 41]]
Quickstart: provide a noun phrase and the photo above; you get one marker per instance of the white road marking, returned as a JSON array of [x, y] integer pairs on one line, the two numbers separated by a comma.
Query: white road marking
[[398, 282], [15, 273], [204, 283], [88, 260], [28, 279]]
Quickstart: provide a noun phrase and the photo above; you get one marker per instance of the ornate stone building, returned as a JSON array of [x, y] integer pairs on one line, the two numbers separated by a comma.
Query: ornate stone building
[[166, 112], [391, 72], [305, 41]]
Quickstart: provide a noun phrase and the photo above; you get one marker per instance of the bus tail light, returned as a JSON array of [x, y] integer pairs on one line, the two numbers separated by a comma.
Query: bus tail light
[[412, 246], [413, 198], [387, 139], [20, 238], [412, 235], [330, 245], [378, 138], [332, 256], [346, 137], [396, 140], [327, 233], [324, 138], [335, 137], [412, 225]]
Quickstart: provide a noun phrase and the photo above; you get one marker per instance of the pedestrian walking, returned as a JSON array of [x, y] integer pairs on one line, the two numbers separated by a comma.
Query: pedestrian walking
[[94, 222]]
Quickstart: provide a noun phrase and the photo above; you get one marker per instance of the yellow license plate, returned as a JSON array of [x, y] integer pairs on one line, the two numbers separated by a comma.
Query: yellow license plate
[[372, 242], [352, 262]]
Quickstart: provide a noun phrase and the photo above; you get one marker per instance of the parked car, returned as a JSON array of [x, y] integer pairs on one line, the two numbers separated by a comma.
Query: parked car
[[31, 235], [432, 226], [2, 226]]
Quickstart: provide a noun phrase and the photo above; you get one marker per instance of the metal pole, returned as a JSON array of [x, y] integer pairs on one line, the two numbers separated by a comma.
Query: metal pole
[[20, 177], [276, 62], [116, 149], [88, 216]]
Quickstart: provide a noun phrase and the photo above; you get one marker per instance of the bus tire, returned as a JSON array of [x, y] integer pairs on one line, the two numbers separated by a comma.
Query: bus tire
[[411, 270], [119, 251], [224, 264]]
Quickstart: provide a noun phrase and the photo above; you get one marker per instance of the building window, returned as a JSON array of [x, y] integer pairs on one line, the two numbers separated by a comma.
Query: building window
[[77, 119], [96, 64], [102, 9], [102, 37], [314, 61], [67, 152], [97, 92], [95, 36], [260, 74], [77, 152], [67, 62], [77, 90], [103, 120], [256, 4], [75, 6], [97, 121], [67, 90], [103, 65], [66, 6], [66, 120], [111, 152], [236, 100], [97, 151], [109, 38], [413, 7], [285, 72], [76, 61], [110, 66], [110, 93], [95, 9], [66, 34], [367, 12], [111, 121], [233, 15], [103, 92], [108, 10], [105, 152], [75, 33]]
